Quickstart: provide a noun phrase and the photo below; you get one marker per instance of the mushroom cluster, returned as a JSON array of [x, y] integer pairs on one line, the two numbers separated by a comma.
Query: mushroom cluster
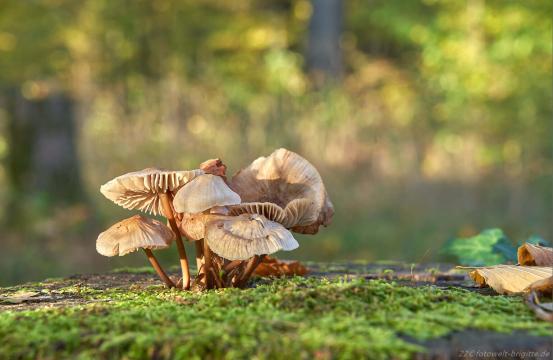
[[233, 224]]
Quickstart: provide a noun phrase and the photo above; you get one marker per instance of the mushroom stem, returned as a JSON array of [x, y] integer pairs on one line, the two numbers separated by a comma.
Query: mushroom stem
[[158, 269], [231, 265], [229, 277], [199, 255], [168, 211], [207, 264], [217, 279], [250, 268]]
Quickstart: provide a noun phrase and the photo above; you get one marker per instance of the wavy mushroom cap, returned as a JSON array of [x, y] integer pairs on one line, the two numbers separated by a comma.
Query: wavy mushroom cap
[[140, 189], [136, 232], [241, 237], [285, 188], [325, 218], [202, 193]]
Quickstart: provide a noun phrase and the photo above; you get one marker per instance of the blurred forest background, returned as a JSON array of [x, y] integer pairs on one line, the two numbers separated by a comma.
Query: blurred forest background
[[427, 119]]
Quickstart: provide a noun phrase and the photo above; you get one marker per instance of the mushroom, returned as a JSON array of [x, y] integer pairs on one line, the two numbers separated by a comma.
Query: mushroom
[[140, 190], [244, 236], [286, 188], [151, 190], [203, 193], [137, 232], [193, 225], [214, 167]]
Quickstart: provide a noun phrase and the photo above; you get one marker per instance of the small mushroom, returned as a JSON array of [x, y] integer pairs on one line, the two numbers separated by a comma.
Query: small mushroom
[[286, 188], [214, 167], [247, 235], [137, 232], [151, 191], [203, 193], [193, 225]]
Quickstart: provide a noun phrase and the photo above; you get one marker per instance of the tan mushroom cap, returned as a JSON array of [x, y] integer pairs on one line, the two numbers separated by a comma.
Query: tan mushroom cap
[[140, 189], [214, 167], [204, 192], [285, 188], [241, 237], [325, 218], [136, 232], [193, 225]]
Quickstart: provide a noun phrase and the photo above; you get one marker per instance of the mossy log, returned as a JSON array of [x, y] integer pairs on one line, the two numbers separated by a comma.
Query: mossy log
[[347, 310]]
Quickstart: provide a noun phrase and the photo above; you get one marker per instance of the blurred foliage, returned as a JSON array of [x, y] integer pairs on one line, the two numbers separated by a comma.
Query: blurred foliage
[[490, 247], [440, 125]]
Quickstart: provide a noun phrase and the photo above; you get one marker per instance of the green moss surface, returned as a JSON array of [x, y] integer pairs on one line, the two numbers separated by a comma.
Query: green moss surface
[[281, 319]]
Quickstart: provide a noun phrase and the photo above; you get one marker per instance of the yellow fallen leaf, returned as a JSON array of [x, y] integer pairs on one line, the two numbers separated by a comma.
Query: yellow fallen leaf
[[510, 279], [535, 255]]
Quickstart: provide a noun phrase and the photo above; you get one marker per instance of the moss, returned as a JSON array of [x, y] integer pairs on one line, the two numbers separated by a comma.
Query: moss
[[149, 270], [134, 270], [282, 319]]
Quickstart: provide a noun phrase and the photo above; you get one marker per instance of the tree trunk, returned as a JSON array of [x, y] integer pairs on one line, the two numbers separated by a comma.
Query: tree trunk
[[42, 155], [324, 54]]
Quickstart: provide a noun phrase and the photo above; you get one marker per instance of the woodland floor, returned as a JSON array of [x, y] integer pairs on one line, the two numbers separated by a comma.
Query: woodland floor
[[340, 310]]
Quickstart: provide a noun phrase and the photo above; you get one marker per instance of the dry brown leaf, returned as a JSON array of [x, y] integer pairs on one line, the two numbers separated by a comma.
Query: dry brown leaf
[[510, 279], [543, 311], [273, 267], [544, 286], [535, 255]]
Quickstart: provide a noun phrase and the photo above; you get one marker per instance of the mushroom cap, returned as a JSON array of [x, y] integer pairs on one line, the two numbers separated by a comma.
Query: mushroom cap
[[140, 189], [136, 232], [193, 225], [241, 237], [325, 218], [285, 188], [214, 167], [204, 192]]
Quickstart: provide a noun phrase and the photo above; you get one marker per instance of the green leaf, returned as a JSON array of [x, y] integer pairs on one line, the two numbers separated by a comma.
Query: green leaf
[[490, 247], [535, 240]]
